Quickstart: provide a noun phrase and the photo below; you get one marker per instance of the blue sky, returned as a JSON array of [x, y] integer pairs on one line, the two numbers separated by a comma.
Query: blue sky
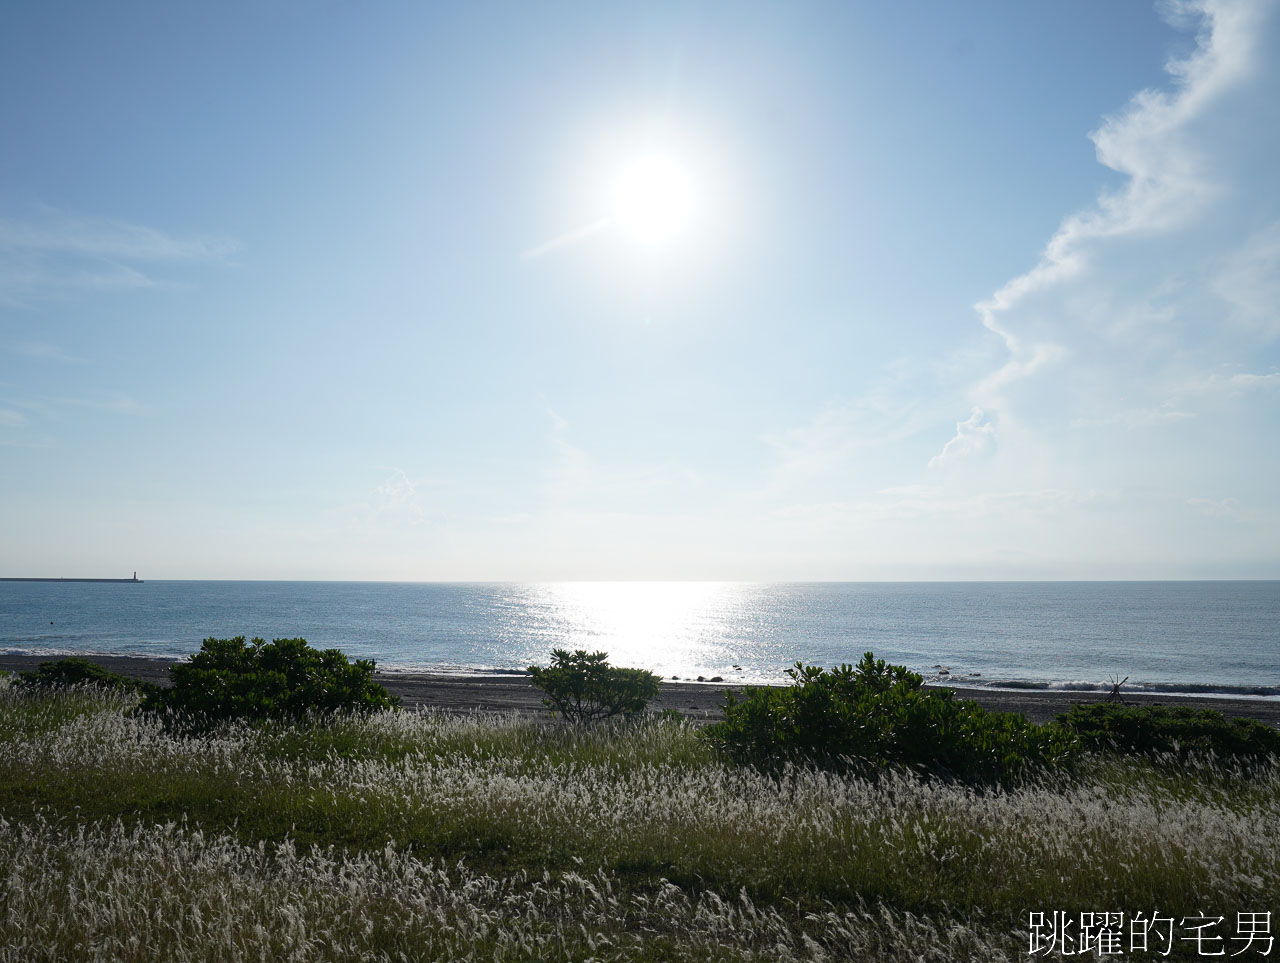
[[340, 291]]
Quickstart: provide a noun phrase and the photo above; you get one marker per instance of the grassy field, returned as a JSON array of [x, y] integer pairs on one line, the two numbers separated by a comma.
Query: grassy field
[[413, 836]]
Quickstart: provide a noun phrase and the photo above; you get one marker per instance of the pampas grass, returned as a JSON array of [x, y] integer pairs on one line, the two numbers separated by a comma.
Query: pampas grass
[[424, 836]]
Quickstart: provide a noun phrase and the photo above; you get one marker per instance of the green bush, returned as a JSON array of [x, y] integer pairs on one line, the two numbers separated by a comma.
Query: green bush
[[286, 678], [65, 673], [583, 686], [876, 714], [1114, 727]]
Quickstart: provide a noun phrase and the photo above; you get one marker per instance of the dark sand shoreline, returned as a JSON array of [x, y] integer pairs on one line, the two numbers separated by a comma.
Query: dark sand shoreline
[[701, 701]]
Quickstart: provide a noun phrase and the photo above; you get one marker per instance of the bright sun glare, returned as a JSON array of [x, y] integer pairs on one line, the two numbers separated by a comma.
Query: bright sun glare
[[652, 199]]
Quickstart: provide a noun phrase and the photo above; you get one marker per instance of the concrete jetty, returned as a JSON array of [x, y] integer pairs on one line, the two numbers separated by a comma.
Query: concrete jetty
[[131, 581]]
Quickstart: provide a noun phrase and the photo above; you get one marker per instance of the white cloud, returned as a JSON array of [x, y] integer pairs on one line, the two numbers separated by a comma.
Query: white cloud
[[1150, 140], [973, 435], [12, 419], [51, 252], [1128, 294]]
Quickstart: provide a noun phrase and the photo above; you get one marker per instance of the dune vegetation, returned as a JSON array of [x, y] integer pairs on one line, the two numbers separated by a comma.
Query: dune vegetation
[[422, 836]]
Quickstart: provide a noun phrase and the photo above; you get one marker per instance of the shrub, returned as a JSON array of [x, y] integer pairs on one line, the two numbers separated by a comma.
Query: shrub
[[286, 678], [876, 714], [65, 673], [1114, 727], [583, 686]]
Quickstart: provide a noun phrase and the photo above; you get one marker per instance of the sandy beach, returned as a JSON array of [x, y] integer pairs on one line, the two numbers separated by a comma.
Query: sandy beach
[[701, 701]]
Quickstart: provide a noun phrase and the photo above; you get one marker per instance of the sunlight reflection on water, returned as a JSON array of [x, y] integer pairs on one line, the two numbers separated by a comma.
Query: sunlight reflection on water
[[1175, 634], [672, 627]]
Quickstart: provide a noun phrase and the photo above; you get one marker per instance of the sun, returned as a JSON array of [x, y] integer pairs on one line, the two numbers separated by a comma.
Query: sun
[[652, 199]]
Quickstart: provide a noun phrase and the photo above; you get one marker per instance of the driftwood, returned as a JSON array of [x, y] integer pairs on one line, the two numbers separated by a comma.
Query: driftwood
[[1114, 695]]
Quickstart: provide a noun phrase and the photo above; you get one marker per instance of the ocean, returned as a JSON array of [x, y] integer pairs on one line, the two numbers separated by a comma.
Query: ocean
[[1169, 637]]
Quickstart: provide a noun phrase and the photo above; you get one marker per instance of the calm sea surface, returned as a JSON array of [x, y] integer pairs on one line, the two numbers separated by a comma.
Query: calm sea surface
[[1165, 636]]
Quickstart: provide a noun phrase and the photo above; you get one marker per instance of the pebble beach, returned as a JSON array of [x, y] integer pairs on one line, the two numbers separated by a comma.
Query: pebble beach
[[699, 701]]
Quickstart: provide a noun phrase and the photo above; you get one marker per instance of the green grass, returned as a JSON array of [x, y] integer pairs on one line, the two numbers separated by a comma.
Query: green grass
[[896, 867]]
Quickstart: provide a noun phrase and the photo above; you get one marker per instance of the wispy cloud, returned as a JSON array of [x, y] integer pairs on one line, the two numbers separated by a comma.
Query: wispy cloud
[[1236, 383], [1250, 282], [572, 473], [1216, 507], [1135, 418], [46, 352], [838, 435], [120, 404], [973, 435], [578, 478], [51, 252], [921, 501], [58, 233], [34, 413], [397, 495]]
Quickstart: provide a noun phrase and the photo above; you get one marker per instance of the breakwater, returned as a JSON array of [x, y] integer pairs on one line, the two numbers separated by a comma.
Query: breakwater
[[134, 580]]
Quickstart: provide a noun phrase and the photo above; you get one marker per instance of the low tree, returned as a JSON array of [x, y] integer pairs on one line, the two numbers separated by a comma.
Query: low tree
[[583, 686], [65, 673], [874, 715], [1179, 730], [285, 678]]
